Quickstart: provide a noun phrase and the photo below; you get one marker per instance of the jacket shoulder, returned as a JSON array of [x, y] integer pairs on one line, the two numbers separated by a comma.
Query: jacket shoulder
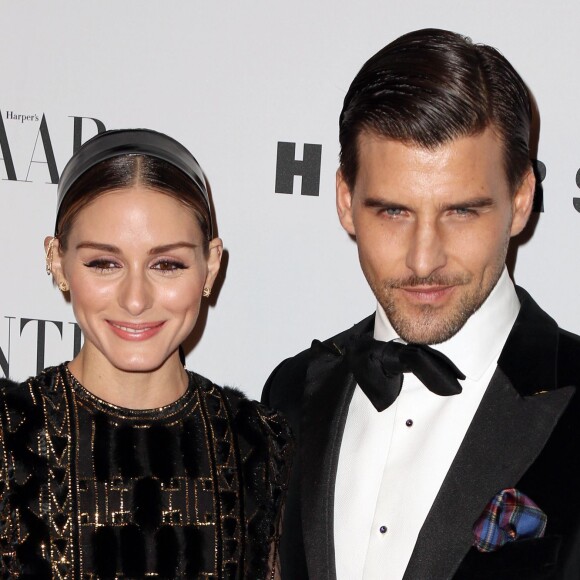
[[283, 389], [568, 358], [538, 355]]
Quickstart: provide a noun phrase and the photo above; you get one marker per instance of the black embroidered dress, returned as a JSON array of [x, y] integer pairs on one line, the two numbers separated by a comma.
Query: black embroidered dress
[[90, 490]]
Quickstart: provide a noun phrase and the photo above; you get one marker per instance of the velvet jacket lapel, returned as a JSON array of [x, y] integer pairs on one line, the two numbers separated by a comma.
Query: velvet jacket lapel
[[515, 419], [327, 395]]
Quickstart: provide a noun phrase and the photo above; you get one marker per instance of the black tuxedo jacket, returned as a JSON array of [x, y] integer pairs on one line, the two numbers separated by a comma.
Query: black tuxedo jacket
[[525, 434]]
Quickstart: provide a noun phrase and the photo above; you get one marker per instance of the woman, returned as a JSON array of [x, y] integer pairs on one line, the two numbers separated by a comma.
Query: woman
[[121, 463]]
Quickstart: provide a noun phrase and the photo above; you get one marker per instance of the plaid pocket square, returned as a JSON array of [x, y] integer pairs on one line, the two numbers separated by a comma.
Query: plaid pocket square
[[509, 516]]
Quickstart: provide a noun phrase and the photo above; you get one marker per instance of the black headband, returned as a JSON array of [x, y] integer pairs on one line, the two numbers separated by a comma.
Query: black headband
[[130, 142]]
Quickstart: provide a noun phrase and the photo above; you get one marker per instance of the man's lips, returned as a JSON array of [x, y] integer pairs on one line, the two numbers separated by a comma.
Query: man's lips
[[135, 331], [427, 294]]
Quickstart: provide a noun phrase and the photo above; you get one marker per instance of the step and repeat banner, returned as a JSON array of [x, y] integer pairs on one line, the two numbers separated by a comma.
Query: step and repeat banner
[[254, 89]]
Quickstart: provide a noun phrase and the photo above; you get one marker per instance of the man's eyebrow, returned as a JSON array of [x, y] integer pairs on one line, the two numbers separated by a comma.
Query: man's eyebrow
[[472, 203], [382, 202]]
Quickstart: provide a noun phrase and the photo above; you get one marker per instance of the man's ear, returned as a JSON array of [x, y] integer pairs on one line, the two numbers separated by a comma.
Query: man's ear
[[344, 203], [522, 203]]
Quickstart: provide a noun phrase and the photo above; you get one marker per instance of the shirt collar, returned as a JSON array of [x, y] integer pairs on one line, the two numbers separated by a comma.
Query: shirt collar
[[480, 341]]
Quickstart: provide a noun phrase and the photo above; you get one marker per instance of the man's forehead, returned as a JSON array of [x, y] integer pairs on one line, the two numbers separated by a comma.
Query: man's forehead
[[473, 163], [367, 138]]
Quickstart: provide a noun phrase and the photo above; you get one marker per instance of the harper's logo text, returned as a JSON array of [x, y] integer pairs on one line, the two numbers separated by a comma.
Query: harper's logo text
[[308, 168], [41, 148], [12, 116]]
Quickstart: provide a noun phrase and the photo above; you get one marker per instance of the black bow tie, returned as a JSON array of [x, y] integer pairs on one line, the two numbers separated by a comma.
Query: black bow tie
[[378, 368]]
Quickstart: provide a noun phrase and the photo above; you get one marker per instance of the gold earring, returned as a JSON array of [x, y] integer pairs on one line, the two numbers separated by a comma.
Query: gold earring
[[206, 292], [63, 286], [49, 257]]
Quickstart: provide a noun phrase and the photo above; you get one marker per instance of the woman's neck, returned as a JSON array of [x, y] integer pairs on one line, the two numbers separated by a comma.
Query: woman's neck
[[130, 389]]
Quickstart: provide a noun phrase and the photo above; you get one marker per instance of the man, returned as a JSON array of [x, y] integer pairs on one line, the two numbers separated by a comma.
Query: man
[[408, 464]]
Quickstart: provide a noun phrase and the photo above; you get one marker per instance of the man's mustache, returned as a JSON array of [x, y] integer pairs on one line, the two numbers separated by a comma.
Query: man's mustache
[[432, 280]]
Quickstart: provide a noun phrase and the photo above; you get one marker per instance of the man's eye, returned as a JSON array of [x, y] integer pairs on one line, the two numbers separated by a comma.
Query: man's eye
[[393, 211], [464, 211]]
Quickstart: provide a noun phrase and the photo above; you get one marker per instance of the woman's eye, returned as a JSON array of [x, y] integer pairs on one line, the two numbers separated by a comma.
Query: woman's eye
[[102, 265], [168, 266]]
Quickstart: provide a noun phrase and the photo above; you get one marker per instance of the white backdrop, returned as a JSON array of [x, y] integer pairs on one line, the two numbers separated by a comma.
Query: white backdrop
[[231, 80]]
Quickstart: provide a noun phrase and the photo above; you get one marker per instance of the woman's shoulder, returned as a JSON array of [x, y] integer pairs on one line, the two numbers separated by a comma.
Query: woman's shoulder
[[251, 420], [238, 401], [47, 379], [23, 413]]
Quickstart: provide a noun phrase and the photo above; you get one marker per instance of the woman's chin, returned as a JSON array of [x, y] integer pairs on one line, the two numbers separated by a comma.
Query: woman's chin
[[139, 364]]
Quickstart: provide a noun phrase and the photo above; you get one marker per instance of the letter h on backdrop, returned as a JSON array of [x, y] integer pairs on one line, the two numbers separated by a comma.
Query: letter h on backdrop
[[287, 167]]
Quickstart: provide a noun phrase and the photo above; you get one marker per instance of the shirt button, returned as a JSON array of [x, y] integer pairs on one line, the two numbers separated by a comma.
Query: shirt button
[[383, 529], [409, 422]]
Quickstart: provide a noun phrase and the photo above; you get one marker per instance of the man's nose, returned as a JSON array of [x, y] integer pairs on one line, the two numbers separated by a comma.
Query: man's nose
[[426, 252]]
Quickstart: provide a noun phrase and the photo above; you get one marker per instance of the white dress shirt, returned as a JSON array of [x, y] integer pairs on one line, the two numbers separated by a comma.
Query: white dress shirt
[[392, 464]]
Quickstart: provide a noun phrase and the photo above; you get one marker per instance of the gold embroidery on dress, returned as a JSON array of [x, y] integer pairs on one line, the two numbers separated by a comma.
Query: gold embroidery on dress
[[89, 495]]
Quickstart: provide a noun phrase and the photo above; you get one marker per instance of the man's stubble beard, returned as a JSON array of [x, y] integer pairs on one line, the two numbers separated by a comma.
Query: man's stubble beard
[[431, 325]]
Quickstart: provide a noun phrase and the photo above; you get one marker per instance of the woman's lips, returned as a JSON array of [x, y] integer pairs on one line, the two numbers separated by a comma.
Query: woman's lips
[[135, 332]]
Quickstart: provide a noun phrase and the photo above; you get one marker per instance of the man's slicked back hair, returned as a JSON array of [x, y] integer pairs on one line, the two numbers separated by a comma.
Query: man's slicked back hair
[[430, 87]]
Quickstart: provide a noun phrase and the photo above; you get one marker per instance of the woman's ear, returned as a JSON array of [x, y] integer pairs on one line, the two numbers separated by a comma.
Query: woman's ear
[[216, 249], [54, 265]]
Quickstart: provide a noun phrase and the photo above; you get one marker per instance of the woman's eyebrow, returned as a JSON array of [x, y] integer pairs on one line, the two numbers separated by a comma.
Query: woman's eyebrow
[[174, 246]]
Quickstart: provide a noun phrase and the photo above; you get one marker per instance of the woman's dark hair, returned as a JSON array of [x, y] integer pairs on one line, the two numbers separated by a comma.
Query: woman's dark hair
[[432, 86], [127, 171]]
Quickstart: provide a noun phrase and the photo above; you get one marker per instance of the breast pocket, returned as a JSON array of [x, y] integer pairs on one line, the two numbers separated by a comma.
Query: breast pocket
[[532, 559]]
